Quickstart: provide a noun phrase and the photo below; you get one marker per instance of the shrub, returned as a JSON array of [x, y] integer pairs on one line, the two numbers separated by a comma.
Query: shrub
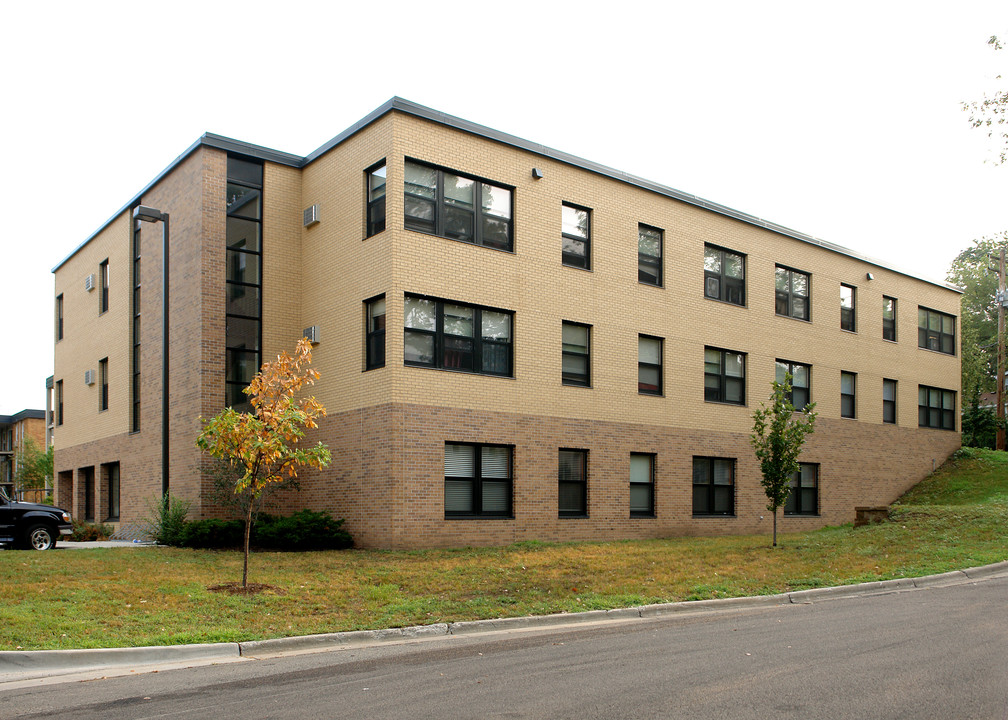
[[166, 520], [84, 531], [304, 530], [213, 533]]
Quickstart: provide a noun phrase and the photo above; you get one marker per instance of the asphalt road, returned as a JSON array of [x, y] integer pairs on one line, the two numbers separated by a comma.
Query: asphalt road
[[929, 653]]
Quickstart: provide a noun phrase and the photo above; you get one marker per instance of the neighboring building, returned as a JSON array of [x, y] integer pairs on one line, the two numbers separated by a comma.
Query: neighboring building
[[14, 429], [514, 343]]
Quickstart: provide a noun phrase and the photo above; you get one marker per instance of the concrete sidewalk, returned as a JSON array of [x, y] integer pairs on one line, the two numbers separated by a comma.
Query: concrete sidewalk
[[71, 545], [27, 668]]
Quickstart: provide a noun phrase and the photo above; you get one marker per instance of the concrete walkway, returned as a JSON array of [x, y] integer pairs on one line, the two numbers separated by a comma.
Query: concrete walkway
[[28, 668]]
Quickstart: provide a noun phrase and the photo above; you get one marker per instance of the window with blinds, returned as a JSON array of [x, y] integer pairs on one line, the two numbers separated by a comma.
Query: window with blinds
[[478, 480]]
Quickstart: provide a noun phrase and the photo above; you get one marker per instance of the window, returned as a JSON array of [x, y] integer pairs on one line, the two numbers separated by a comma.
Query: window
[[477, 480], [576, 233], [87, 480], [724, 376], [111, 480], [801, 381], [575, 361], [848, 382], [889, 401], [103, 384], [104, 280], [649, 365], [724, 275], [935, 331], [649, 255], [243, 309], [713, 486], [135, 361], [572, 500], [848, 319], [936, 408], [457, 207], [59, 317], [455, 336], [792, 293], [375, 333], [888, 318], [59, 402], [804, 496], [376, 199], [642, 485]]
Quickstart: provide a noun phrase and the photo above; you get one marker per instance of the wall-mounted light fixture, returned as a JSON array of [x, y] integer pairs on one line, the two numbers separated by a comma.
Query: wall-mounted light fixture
[[870, 276], [537, 173]]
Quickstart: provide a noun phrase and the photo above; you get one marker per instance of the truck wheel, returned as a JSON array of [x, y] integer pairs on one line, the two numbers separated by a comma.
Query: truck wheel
[[40, 537]]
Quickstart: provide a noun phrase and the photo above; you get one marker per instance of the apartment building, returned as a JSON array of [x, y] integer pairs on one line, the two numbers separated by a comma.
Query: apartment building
[[14, 430], [514, 343]]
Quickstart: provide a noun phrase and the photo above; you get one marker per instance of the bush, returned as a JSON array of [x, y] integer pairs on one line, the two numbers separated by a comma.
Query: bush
[[167, 520], [304, 530], [84, 532], [213, 533], [979, 427]]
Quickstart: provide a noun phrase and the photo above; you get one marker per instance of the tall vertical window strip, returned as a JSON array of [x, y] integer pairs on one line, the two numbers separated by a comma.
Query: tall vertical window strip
[[103, 384], [478, 480], [724, 275], [792, 293], [649, 365], [458, 207], [375, 333], [376, 200], [135, 306], [713, 486], [935, 408], [59, 317], [59, 402], [244, 278], [889, 401], [888, 318], [804, 496], [572, 499], [642, 485], [724, 376], [649, 255], [111, 472], [576, 236], [576, 365], [848, 317], [104, 287], [848, 387], [801, 381], [935, 331]]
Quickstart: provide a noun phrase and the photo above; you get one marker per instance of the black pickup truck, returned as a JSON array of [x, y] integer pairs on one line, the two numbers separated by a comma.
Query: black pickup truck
[[31, 526]]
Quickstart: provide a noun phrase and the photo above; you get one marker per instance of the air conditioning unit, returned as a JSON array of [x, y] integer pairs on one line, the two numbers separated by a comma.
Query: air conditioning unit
[[311, 215], [89, 377], [89, 282], [312, 333]]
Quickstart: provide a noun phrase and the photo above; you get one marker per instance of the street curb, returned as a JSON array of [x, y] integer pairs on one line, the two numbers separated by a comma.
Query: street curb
[[18, 665]]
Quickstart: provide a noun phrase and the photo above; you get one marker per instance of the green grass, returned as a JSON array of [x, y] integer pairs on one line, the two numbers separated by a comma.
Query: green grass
[[958, 517]]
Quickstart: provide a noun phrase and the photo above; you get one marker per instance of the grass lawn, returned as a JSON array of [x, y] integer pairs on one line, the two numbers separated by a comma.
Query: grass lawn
[[956, 518]]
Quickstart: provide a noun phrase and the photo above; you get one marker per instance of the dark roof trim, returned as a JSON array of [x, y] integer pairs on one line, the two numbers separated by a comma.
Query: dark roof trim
[[23, 415], [405, 106]]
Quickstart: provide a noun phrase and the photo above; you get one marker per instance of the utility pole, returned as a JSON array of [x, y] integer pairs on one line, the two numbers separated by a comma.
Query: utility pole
[[1001, 301]]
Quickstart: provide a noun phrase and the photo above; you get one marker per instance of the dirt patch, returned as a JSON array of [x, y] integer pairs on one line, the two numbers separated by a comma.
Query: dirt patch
[[235, 588]]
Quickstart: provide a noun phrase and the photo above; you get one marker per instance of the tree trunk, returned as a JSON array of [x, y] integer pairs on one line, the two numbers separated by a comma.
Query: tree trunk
[[774, 532], [248, 528]]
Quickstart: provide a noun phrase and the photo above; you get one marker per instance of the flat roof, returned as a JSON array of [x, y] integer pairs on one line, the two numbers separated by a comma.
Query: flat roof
[[23, 415], [398, 104]]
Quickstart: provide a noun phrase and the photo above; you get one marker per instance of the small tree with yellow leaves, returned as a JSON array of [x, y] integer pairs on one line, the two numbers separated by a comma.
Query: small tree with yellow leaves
[[264, 446]]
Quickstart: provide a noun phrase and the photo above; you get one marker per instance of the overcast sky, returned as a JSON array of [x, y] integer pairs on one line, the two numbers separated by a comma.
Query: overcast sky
[[843, 121]]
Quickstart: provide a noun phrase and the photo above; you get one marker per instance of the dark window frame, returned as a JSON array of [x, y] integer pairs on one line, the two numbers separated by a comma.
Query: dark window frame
[[803, 500], [642, 366], [650, 268], [709, 492], [442, 207], [103, 287], [936, 417], [582, 482], [374, 337], [59, 317], [573, 259], [481, 349], [789, 367], [926, 337], [723, 377], [135, 332], [569, 378], [112, 490], [889, 324], [103, 385], [889, 406], [375, 205], [649, 511], [477, 481], [787, 297], [730, 290], [59, 402], [848, 315], [848, 400]]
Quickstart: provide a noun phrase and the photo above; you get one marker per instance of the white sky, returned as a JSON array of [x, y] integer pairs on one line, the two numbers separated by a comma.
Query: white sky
[[842, 121]]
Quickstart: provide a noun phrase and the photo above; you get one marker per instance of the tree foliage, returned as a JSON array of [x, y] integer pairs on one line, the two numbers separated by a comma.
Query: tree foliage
[[34, 466], [971, 271], [777, 437], [264, 446], [991, 113]]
